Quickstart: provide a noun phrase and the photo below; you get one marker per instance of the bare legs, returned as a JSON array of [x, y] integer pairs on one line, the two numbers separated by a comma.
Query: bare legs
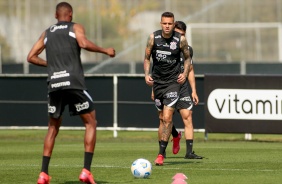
[[53, 130], [90, 124], [188, 125]]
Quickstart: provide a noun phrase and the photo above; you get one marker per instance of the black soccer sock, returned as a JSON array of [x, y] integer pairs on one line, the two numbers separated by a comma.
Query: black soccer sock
[[45, 164], [163, 147], [88, 160], [174, 132], [189, 146]]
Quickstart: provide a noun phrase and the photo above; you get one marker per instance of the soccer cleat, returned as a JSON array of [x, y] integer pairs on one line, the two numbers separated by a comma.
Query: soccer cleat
[[43, 178], [159, 160], [176, 145], [86, 177], [192, 156]]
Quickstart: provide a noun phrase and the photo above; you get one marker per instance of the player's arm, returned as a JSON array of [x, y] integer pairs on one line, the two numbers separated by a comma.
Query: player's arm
[[192, 82], [152, 95], [86, 44], [186, 54], [147, 62], [38, 47]]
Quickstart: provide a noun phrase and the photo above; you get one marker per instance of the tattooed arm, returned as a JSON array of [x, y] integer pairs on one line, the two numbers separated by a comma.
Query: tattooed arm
[[186, 53], [148, 51]]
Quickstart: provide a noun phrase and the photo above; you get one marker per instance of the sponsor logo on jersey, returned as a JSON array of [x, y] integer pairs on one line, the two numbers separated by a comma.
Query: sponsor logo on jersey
[[158, 36], [60, 84], [60, 74], [51, 109], [79, 107], [163, 45], [163, 52], [55, 27], [162, 56]]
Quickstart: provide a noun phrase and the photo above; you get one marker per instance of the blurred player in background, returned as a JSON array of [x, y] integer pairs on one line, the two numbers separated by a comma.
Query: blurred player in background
[[185, 103], [165, 47], [66, 84]]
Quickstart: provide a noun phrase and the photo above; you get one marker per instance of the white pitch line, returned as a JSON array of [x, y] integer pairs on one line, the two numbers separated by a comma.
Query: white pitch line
[[159, 167]]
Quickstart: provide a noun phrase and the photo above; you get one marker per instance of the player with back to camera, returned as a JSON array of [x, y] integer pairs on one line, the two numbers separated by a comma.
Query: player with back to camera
[[185, 105], [165, 46], [66, 84]]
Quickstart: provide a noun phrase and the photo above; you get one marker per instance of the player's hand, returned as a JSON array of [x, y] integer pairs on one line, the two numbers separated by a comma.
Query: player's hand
[[195, 98], [111, 52], [181, 78], [149, 80]]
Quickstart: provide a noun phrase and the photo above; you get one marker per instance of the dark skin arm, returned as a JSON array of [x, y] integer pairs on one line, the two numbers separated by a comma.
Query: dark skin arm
[[83, 42], [86, 44], [37, 48]]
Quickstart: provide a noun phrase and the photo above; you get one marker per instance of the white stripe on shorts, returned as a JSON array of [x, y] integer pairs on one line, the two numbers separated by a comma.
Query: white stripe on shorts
[[173, 102], [87, 94], [190, 107]]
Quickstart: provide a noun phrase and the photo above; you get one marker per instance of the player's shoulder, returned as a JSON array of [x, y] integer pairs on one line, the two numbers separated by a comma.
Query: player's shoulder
[[190, 50], [157, 34], [175, 33], [190, 47]]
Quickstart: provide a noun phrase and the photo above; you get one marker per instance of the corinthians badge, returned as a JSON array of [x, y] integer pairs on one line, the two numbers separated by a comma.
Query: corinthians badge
[[172, 45]]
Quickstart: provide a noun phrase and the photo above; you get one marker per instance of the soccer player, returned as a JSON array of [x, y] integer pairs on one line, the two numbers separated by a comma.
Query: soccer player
[[165, 46], [66, 84], [185, 103]]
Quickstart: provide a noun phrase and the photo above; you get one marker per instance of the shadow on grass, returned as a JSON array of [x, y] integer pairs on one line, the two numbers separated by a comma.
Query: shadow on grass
[[181, 162], [182, 158], [78, 182]]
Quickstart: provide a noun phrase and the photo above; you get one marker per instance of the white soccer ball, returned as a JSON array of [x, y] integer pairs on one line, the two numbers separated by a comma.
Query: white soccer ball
[[141, 168]]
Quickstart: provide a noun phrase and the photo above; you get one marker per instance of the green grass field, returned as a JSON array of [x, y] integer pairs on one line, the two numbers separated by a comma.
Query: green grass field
[[228, 158]]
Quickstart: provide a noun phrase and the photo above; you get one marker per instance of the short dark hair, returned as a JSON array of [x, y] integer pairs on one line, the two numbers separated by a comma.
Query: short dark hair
[[180, 25], [65, 5], [168, 14]]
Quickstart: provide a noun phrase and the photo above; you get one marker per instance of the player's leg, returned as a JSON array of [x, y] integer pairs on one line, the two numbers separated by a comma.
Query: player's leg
[[55, 109], [165, 134], [89, 120], [49, 142], [80, 103], [166, 97], [189, 134], [176, 136], [90, 123], [160, 130], [174, 132], [188, 128], [53, 130]]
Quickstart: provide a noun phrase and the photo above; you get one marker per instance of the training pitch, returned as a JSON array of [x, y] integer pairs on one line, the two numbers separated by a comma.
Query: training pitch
[[229, 159]]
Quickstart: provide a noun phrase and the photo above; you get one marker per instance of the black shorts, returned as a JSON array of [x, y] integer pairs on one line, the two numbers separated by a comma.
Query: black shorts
[[185, 100], [166, 94], [79, 102]]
